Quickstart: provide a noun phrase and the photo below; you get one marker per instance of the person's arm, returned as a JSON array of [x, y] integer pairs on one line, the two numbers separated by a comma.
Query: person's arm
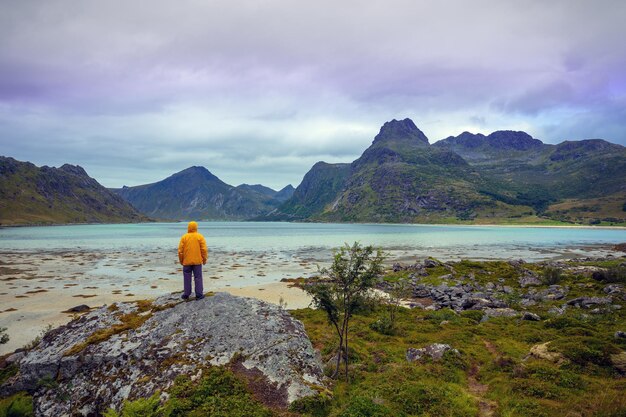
[[181, 250], [204, 251]]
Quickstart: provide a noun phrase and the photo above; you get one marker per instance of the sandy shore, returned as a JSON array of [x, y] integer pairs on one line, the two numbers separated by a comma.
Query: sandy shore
[[36, 288]]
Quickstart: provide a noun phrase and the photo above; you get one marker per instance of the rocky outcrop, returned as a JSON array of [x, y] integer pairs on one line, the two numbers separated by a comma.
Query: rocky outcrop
[[434, 351], [132, 350]]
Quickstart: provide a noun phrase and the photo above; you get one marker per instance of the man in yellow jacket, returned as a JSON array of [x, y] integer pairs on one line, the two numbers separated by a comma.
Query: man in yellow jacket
[[192, 254]]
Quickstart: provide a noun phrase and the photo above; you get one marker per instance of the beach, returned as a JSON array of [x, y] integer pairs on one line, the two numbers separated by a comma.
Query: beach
[[45, 272]]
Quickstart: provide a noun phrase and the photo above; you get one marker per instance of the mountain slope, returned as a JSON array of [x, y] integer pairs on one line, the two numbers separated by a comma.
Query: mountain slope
[[32, 195], [504, 175], [195, 193]]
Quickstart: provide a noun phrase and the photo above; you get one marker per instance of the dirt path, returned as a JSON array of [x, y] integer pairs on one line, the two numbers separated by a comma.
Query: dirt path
[[486, 407]]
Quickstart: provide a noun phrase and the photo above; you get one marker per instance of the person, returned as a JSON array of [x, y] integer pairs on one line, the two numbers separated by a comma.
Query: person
[[192, 254]]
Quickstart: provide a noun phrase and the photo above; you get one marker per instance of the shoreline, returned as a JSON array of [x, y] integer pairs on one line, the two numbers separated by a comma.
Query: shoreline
[[507, 225]]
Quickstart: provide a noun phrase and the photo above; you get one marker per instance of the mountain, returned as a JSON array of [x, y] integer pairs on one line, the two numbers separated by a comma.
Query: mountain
[[261, 189], [285, 193], [318, 188], [195, 193], [503, 176], [45, 195]]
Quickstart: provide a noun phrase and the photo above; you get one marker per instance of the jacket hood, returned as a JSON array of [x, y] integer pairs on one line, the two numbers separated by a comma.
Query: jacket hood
[[192, 227]]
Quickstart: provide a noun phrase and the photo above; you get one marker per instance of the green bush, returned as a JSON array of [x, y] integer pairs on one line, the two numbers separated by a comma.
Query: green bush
[[441, 315], [383, 325], [616, 274], [315, 405], [474, 315], [552, 276], [7, 373], [583, 350], [365, 407], [18, 405], [565, 322], [536, 389], [433, 398]]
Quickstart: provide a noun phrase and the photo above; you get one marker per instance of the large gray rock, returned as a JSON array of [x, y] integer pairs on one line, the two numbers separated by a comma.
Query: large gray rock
[[170, 338]]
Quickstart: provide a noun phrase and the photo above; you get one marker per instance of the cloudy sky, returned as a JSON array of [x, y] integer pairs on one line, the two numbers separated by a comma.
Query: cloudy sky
[[258, 91]]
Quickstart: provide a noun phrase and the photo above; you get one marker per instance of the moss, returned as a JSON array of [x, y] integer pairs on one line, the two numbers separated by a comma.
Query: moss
[[8, 372], [129, 321], [18, 405]]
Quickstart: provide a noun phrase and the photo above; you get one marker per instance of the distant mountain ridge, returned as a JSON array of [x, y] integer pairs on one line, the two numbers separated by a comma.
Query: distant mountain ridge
[[503, 176], [45, 195], [195, 193]]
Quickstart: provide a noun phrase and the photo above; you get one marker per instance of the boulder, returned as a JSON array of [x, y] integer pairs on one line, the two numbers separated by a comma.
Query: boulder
[[500, 312], [541, 351], [587, 302], [431, 263], [528, 279], [619, 362], [78, 309], [435, 351], [530, 316], [132, 350]]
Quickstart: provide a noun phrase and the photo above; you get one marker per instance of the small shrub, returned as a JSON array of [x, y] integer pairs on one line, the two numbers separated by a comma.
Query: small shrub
[[552, 276], [473, 315], [4, 338], [18, 405], [143, 407], [315, 405], [583, 350], [611, 275], [536, 389], [441, 315], [7, 373], [383, 325], [433, 397], [365, 407], [564, 322]]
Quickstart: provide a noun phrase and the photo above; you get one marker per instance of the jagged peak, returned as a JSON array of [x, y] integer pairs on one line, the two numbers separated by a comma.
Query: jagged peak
[[401, 130], [195, 170], [73, 169]]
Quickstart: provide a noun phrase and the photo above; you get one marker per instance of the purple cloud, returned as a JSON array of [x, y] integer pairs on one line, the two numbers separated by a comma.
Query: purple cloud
[[280, 85]]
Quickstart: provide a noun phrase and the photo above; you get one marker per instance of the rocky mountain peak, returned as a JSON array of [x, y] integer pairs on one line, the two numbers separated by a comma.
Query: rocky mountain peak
[[73, 169], [401, 130], [510, 139]]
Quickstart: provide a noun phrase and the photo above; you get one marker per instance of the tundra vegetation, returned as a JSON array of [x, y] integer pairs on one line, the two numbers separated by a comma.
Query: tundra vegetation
[[566, 360]]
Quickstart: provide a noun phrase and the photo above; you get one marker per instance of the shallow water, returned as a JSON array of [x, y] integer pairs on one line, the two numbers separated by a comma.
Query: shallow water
[[46, 270], [465, 241]]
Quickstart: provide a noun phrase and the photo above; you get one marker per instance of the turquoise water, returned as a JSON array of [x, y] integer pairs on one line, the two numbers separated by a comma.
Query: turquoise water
[[446, 241]]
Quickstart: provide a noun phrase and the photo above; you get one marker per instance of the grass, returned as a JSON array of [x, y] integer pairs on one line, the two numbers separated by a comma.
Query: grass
[[493, 368]]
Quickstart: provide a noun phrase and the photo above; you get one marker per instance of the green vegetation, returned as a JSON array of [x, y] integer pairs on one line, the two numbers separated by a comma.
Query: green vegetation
[[4, 337], [18, 405], [219, 393], [612, 274], [342, 288], [32, 195], [494, 374]]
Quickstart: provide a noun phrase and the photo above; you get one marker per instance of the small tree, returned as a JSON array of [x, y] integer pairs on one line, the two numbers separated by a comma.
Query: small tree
[[3, 336], [342, 287]]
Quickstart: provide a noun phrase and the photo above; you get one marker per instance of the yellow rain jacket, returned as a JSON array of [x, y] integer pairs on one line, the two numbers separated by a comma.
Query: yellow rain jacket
[[192, 247]]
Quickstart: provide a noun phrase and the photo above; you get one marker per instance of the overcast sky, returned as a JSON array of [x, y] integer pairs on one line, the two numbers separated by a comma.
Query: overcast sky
[[258, 91]]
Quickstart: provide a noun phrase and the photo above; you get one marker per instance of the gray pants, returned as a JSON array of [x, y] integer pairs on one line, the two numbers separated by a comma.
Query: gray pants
[[197, 279]]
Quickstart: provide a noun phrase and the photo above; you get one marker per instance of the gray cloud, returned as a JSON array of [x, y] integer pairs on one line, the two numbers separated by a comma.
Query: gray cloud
[[261, 90]]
